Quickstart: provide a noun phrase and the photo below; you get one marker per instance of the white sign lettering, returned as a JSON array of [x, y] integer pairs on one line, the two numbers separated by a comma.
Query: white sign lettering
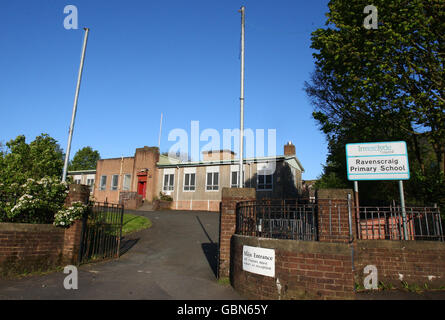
[[259, 261]]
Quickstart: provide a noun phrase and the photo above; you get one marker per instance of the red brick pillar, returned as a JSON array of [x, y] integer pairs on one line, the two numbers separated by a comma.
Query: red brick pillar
[[73, 234], [227, 224], [77, 192], [333, 215]]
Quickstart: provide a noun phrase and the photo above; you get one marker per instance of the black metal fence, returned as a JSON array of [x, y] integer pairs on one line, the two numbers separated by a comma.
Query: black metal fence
[[289, 219], [279, 219], [422, 223], [102, 232]]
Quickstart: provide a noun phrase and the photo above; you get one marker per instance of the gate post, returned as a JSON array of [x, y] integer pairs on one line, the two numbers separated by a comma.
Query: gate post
[[227, 224], [73, 234], [333, 215]]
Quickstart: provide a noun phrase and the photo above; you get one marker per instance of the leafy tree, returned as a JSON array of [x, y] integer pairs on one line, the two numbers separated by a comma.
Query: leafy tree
[[384, 84], [43, 157], [84, 159], [30, 186]]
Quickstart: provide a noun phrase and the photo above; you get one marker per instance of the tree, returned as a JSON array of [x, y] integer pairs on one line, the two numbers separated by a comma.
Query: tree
[[30, 186], [20, 161], [84, 159], [384, 84]]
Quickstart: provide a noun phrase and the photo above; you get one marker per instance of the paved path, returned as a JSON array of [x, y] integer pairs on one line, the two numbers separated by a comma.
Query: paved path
[[174, 259]]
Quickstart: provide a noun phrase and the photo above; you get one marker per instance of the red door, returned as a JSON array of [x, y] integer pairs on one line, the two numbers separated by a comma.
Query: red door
[[142, 184], [141, 188]]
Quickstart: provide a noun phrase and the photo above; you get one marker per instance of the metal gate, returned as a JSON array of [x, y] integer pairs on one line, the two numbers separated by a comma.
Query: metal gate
[[102, 232]]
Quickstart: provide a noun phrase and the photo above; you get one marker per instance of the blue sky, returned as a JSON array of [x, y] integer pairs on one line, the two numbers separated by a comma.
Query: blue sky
[[180, 58]]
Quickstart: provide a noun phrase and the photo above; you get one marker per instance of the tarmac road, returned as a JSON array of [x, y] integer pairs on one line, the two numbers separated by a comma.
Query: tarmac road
[[174, 259]]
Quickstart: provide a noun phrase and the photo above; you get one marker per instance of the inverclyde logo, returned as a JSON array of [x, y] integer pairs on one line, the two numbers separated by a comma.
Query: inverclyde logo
[[378, 148]]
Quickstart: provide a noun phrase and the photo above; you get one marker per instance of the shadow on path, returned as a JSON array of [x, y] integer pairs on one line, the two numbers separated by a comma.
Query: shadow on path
[[126, 245], [210, 250]]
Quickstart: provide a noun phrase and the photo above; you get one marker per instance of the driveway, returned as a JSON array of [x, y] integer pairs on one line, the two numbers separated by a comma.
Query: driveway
[[174, 259]]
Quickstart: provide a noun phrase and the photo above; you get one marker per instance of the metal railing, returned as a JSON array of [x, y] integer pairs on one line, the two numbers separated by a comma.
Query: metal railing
[[278, 219], [102, 232], [386, 223]]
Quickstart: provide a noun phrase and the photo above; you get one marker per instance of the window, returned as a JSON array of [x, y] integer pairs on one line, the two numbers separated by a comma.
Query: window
[[127, 182], [103, 182], [189, 181], [90, 183], [76, 181], [169, 182], [212, 181], [235, 179], [114, 181], [265, 181]]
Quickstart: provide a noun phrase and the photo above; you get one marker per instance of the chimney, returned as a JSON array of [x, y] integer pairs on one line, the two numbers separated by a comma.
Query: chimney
[[289, 149]]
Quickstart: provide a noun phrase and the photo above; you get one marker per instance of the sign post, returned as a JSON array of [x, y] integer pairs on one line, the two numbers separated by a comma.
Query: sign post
[[402, 205], [379, 161], [356, 203]]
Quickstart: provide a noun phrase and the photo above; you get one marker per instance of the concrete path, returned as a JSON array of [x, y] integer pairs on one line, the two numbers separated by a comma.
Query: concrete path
[[174, 259]]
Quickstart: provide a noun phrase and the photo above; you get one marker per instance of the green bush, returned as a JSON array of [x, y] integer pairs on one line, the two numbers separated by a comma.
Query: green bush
[[165, 197], [35, 201]]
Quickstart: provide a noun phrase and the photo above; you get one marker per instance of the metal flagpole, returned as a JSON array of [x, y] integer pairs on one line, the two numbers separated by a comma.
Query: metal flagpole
[[241, 156], [160, 131], [76, 96]]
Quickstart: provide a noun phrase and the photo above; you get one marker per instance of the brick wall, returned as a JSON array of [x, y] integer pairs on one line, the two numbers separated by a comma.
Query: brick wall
[[227, 224], [324, 269], [416, 262], [201, 205], [38, 247], [29, 247], [303, 270]]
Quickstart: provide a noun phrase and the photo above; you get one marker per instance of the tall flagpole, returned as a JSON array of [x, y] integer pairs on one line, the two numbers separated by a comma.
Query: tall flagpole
[[160, 132], [76, 96], [241, 144]]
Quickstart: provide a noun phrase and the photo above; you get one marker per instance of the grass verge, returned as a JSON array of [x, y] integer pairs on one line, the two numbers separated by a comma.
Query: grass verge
[[224, 281], [133, 223]]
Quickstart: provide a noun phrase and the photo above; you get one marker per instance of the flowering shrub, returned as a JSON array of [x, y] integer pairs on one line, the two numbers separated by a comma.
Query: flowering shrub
[[35, 201], [66, 216], [165, 197]]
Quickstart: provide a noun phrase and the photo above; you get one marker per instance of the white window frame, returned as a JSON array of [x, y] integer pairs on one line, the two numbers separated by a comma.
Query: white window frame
[[114, 187], [264, 174], [190, 186], [101, 185], [264, 170], [127, 177], [171, 184], [212, 171], [235, 168]]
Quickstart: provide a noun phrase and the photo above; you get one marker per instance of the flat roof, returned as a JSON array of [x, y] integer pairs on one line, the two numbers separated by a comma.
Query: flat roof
[[228, 161], [90, 171]]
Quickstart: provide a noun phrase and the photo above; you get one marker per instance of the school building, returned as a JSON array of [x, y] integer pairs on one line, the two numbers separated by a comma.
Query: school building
[[195, 185]]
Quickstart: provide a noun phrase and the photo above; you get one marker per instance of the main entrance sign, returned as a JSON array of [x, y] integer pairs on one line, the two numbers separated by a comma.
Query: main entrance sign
[[377, 161], [259, 261]]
